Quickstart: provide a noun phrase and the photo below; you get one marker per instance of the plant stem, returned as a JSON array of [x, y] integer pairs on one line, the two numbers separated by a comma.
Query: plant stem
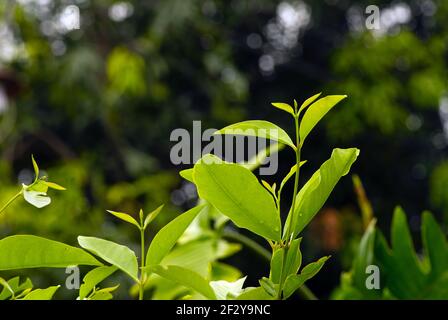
[[142, 263], [303, 291], [10, 201]]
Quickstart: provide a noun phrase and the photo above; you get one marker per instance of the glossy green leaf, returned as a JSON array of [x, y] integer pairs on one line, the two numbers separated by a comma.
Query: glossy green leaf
[[236, 193], [294, 282], [94, 277], [152, 215], [167, 237], [26, 251], [269, 286], [258, 128], [118, 255], [42, 294], [316, 191], [277, 265], [315, 113], [6, 287], [284, 106], [186, 278], [125, 217]]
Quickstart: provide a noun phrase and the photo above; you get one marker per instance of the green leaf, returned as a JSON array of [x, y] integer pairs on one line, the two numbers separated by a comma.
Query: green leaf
[[25, 251], [120, 256], [293, 258], [17, 287], [268, 286], [55, 186], [258, 128], [6, 287], [435, 245], [36, 168], [94, 277], [167, 237], [186, 278], [284, 106], [294, 282], [254, 293], [42, 294], [236, 193], [309, 101], [103, 294], [291, 172], [258, 159], [277, 265], [316, 191], [151, 216], [187, 174], [125, 217], [315, 113], [225, 290]]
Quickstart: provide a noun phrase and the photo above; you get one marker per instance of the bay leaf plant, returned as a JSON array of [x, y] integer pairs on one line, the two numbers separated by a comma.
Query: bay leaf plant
[[256, 205]]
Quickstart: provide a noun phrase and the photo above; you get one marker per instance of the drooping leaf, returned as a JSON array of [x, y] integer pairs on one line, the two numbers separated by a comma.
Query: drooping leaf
[[26, 251], [236, 193], [152, 215], [315, 113], [36, 198], [94, 277], [118, 255], [316, 191], [167, 237], [125, 217], [225, 290], [258, 128], [41, 294], [284, 106], [294, 282], [186, 278]]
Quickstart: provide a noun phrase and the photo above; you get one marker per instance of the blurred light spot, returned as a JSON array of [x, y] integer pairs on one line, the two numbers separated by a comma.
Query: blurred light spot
[[189, 190], [3, 101], [69, 19], [266, 63], [419, 171], [228, 75], [25, 176], [439, 141], [414, 122], [178, 197], [58, 47], [254, 41], [443, 114], [120, 11], [428, 7]]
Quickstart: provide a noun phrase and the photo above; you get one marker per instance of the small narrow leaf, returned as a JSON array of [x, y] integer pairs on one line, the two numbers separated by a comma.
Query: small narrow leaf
[[291, 172], [36, 168], [94, 277], [277, 265], [151, 216], [55, 186], [187, 174], [42, 294], [315, 113], [309, 101], [24, 251], [118, 255], [284, 106], [258, 128], [125, 217], [294, 258], [186, 278], [167, 237], [6, 286], [269, 286]]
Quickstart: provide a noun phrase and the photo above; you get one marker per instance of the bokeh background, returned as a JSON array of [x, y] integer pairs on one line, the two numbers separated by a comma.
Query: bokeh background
[[96, 106]]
